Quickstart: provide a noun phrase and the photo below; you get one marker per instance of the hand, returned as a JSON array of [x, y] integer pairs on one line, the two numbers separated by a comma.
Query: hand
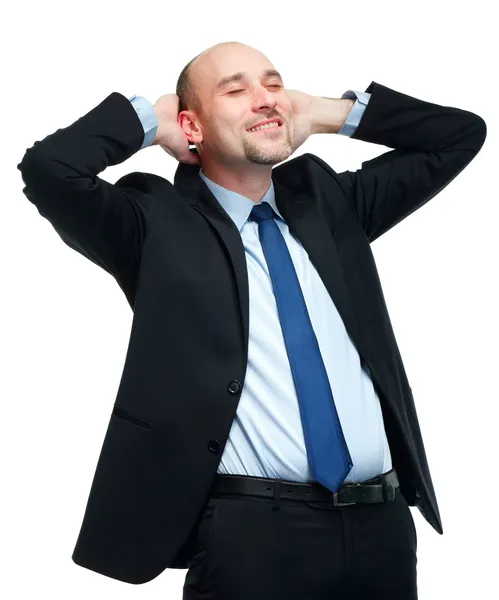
[[301, 107], [170, 136]]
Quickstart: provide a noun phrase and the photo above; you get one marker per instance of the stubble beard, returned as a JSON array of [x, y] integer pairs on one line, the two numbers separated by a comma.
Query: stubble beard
[[268, 152]]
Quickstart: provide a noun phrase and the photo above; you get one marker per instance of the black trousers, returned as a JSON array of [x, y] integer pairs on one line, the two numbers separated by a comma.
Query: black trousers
[[246, 550]]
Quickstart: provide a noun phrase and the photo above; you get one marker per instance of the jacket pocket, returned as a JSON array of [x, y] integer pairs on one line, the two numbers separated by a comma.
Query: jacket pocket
[[123, 414]]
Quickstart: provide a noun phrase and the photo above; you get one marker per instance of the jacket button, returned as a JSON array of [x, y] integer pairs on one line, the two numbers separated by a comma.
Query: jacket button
[[234, 387], [214, 446]]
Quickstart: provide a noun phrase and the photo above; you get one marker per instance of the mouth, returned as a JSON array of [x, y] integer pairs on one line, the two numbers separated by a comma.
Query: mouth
[[268, 129]]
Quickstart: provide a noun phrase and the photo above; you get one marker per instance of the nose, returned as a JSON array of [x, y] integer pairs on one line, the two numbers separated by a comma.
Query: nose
[[264, 98]]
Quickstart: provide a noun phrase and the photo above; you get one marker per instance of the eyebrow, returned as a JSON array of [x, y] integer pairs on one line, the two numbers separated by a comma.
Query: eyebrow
[[240, 75]]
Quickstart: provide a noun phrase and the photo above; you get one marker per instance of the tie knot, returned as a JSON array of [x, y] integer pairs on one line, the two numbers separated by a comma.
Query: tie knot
[[261, 212]]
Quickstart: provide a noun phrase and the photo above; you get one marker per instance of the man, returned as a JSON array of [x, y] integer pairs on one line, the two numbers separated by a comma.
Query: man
[[264, 434]]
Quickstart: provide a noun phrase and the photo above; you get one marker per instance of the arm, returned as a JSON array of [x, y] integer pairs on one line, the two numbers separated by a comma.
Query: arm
[[339, 115], [432, 145], [317, 114], [105, 223], [148, 118]]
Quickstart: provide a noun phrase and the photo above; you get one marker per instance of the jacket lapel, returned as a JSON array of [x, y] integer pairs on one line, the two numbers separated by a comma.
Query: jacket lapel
[[307, 225]]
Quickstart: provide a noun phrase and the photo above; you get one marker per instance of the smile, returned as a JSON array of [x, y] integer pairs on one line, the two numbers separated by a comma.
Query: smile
[[265, 128]]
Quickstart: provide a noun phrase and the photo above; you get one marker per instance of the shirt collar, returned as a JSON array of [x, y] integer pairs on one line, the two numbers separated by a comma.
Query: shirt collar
[[237, 206]]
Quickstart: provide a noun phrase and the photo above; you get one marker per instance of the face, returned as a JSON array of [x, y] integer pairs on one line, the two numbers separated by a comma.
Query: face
[[231, 109]]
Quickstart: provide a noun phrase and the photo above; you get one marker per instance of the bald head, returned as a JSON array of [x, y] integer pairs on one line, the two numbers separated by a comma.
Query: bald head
[[236, 88], [204, 65]]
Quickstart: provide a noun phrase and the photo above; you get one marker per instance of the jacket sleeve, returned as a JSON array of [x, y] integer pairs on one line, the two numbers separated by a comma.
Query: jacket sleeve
[[432, 145], [105, 223]]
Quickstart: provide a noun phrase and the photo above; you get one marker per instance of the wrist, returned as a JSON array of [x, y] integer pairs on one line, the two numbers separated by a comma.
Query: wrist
[[329, 114], [158, 129]]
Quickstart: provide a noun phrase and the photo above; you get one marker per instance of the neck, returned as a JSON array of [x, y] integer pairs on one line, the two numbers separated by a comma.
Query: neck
[[251, 181]]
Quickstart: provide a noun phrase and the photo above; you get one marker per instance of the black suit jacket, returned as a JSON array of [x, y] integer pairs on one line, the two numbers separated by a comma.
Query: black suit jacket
[[179, 259]]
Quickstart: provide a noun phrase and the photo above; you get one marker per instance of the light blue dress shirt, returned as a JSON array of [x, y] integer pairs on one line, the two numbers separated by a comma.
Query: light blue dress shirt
[[266, 438]]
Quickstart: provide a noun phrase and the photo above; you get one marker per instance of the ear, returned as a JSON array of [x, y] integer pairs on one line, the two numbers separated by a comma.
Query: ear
[[185, 121]]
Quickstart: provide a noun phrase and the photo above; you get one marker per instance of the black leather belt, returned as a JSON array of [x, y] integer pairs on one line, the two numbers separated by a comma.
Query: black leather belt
[[378, 489]]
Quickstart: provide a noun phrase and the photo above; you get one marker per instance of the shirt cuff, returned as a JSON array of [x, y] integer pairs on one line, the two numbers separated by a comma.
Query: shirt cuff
[[355, 115], [145, 112]]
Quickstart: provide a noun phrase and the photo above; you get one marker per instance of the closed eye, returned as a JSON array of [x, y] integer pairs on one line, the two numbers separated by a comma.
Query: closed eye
[[236, 91]]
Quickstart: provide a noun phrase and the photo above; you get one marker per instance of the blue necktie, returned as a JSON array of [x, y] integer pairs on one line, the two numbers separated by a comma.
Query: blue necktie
[[327, 452]]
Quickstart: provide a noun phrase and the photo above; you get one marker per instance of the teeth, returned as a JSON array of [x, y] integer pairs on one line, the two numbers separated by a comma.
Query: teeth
[[267, 126]]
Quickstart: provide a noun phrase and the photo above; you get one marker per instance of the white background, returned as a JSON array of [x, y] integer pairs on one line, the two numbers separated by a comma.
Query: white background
[[65, 323]]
